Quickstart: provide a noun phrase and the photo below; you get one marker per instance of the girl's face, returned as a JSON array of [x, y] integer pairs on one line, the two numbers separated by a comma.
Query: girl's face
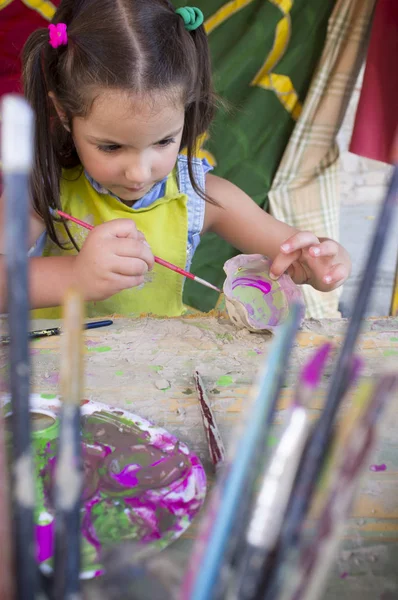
[[128, 143]]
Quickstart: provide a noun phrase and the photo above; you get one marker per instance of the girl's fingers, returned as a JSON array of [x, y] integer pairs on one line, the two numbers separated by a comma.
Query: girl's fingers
[[338, 273], [328, 248], [282, 262], [302, 239]]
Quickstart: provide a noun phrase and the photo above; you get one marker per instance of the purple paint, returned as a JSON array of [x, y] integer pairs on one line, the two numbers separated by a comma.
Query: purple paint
[[377, 468], [44, 541], [344, 575], [259, 284]]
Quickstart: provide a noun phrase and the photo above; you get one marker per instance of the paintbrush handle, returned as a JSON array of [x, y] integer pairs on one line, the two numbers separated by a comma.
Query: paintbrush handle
[[17, 156], [213, 436], [160, 261], [69, 467]]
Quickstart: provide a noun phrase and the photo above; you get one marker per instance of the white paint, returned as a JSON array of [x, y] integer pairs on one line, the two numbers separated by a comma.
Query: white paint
[[17, 133]]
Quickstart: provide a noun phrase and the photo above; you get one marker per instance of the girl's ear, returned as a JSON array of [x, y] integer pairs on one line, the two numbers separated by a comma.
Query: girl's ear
[[61, 114]]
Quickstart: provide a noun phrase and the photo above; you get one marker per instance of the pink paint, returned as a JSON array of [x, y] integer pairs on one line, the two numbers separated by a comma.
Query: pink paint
[[44, 541], [377, 468], [344, 575], [263, 286]]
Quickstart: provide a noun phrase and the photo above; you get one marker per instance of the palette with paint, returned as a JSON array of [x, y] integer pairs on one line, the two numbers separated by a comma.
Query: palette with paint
[[141, 483], [253, 300]]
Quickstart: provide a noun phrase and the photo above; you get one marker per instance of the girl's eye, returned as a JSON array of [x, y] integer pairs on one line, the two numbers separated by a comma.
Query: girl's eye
[[109, 148], [166, 142]]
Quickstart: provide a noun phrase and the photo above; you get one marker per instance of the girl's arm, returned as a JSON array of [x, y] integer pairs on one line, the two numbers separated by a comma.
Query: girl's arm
[[320, 262]]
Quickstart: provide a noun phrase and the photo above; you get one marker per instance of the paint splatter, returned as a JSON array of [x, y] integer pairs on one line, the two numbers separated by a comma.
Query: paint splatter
[[377, 468], [48, 396], [344, 575], [224, 381], [252, 353], [100, 349], [156, 368], [394, 339], [119, 373], [390, 353], [162, 384]]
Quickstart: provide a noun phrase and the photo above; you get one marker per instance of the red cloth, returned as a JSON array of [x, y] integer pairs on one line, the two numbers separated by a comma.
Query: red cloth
[[377, 116], [17, 21]]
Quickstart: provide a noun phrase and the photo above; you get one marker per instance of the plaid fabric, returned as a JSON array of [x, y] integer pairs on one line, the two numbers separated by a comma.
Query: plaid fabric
[[305, 190]]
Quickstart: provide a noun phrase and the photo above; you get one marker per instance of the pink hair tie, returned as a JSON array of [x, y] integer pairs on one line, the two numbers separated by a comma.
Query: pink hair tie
[[58, 35]]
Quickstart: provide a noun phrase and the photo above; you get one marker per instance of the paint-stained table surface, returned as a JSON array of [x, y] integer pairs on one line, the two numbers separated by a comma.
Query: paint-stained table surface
[[147, 366]]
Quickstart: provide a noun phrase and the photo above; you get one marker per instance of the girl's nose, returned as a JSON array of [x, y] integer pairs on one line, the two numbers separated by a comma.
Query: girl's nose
[[137, 172]]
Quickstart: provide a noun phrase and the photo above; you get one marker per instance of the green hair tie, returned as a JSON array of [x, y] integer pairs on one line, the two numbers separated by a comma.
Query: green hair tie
[[192, 17]]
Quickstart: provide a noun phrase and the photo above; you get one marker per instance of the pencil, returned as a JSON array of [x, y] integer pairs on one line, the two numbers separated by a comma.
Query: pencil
[[158, 260], [233, 491], [17, 156], [69, 466], [213, 436]]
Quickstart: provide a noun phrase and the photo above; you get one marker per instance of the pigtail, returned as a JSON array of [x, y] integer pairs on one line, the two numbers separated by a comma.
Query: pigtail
[[50, 136], [200, 112]]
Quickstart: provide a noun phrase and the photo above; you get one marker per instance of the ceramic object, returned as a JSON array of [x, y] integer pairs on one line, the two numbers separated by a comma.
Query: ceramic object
[[141, 483], [253, 300]]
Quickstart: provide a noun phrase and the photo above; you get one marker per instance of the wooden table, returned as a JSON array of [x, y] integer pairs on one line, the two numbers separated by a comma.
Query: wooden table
[[146, 366]]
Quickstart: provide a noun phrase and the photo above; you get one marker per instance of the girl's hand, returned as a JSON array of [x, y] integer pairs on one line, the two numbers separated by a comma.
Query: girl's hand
[[113, 258], [319, 262]]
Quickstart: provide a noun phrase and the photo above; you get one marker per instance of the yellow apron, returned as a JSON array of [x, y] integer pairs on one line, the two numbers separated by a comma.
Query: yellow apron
[[165, 226]]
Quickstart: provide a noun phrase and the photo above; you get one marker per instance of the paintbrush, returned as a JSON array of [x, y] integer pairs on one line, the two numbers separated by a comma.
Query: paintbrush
[[40, 333], [317, 557], [6, 544], [213, 436], [276, 484], [158, 260], [234, 488], [318, 445], [69, 465], [17, 156]]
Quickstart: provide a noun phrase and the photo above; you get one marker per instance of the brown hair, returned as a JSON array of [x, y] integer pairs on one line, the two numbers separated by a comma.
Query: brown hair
[[137, 45]]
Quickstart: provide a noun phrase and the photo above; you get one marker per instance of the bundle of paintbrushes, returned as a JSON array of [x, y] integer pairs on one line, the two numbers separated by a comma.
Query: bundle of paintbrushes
[[16, 150], [252, 544]]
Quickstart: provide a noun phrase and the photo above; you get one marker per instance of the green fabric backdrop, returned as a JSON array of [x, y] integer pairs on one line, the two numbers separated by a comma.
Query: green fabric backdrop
[[248, 140]]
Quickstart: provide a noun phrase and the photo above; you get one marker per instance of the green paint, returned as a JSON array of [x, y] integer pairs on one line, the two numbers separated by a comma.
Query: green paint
[[187, 392], [224, 381], [129, 401], [394, 339], [225, 337], [390, 353], [48, 396], [156, 368], [119, 373], [99, 349], [251, 353], [272, 440], [45, 351]]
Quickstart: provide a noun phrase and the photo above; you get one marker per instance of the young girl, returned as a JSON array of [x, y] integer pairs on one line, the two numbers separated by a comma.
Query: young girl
[[120, 88]]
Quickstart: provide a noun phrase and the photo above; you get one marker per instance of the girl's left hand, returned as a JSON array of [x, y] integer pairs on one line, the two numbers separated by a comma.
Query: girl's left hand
[[319, 262]]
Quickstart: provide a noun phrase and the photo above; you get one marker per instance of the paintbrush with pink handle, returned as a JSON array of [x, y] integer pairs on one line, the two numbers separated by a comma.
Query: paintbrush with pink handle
[[158, 260]]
